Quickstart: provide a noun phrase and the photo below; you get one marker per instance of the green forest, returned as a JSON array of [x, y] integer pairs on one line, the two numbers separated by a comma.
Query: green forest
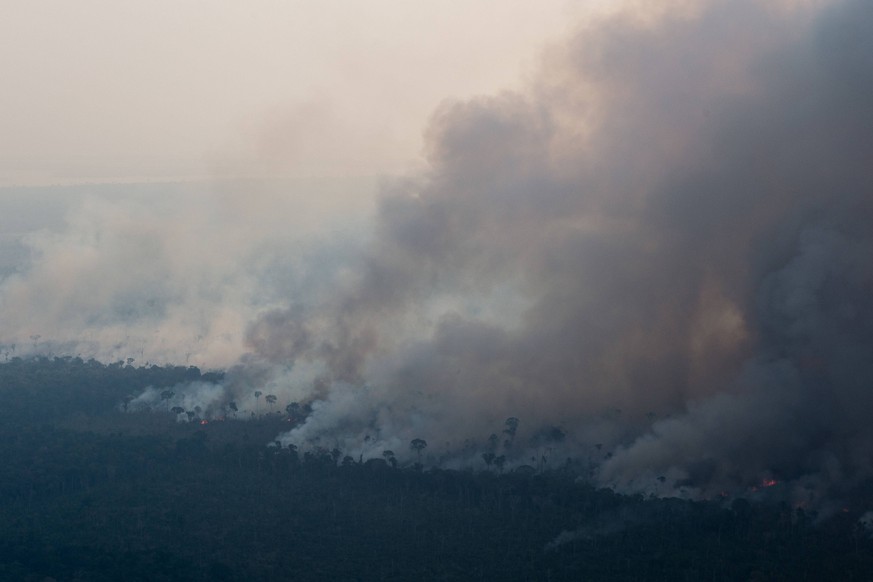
[[91, 492]]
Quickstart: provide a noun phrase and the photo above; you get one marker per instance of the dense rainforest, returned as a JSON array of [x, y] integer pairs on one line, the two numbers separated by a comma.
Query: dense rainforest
[[90, 492]]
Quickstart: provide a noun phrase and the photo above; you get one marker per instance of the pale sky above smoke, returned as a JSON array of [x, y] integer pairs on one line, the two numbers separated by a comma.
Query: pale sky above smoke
[[98, 90]]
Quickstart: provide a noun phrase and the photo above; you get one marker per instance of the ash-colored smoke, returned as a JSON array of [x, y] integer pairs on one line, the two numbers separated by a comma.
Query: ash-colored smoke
[[663, 247]]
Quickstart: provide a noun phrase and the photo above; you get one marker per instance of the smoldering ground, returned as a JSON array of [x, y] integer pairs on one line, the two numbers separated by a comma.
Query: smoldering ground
[[661, 246]]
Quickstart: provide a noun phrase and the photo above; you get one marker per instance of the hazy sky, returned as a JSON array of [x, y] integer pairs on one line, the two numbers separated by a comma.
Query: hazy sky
[[102, 90], [327, 95]]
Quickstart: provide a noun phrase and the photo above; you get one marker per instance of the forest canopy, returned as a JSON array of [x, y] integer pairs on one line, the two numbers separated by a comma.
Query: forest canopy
[[89, 491]]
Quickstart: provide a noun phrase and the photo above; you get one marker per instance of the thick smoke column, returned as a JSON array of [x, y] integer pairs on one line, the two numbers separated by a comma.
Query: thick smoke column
[[664, 246]]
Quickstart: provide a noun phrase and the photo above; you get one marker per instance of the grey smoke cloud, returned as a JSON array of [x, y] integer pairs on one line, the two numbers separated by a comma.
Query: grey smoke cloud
[[662, 246], [657, 255]]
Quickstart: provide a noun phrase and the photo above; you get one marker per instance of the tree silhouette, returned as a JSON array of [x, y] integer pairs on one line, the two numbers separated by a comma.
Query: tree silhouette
[[511, 424], [390, 458], [166, 395], [418, 445], [271, 400], [258, 401]]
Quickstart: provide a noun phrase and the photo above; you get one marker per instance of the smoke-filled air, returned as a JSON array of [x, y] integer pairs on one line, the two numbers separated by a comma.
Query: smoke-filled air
[[653, 260]]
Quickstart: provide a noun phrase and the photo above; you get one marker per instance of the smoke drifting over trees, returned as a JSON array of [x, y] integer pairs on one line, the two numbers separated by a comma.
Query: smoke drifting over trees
[[660, 250], [664, 244]]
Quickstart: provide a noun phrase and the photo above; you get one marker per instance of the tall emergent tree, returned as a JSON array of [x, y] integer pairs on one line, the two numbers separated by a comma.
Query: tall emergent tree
[[166, 395], [271, 400], [510, 430], [418, 445]]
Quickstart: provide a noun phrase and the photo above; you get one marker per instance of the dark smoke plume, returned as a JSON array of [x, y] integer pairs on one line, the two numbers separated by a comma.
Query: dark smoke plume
[[661, 251]]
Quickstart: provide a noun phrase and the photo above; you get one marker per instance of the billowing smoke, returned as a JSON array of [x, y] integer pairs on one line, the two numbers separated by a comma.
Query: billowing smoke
[[658, 257]]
